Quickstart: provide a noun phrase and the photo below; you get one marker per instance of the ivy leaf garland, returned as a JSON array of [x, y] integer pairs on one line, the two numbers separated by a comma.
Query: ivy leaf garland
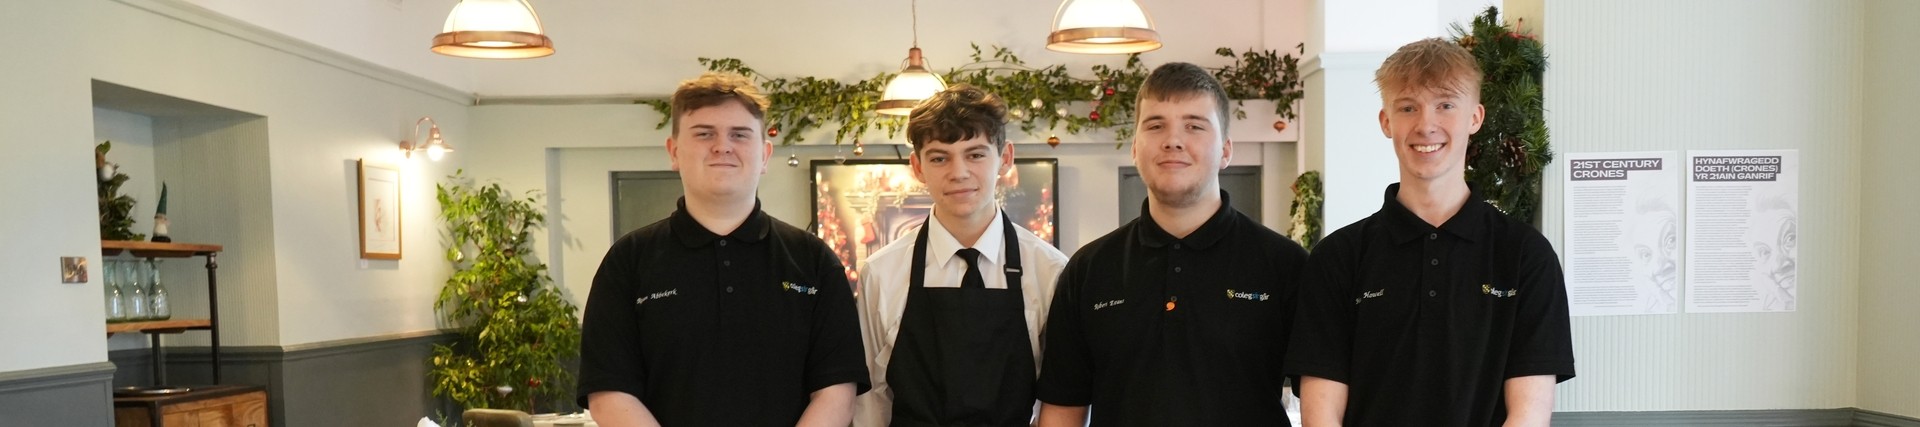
[[1507, 157], [1037, 97]]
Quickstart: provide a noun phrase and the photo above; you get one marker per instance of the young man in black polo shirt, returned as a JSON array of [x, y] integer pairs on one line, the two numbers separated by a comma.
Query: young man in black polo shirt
[[720, 315], [1438, 310], [1179, 318], [952, 317]]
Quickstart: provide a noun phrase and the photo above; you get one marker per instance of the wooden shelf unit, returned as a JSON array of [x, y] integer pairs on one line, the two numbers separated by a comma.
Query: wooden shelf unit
[[154, 329], [210, 406]]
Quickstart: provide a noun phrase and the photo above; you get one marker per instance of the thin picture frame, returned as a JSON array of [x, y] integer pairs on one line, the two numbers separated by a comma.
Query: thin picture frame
[[380, 224]]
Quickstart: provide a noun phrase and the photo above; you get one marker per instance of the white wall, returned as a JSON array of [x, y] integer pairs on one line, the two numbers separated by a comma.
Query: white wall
[[321, 114], [1889, 380], [1720, 74]]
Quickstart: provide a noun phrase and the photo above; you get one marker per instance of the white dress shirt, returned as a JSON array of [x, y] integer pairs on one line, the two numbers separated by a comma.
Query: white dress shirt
[[885, 278]]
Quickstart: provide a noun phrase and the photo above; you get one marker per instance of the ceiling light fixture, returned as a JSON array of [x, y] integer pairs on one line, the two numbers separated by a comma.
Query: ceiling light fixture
[[914, 83], [435, 146], [1102, 26], [493, 29]]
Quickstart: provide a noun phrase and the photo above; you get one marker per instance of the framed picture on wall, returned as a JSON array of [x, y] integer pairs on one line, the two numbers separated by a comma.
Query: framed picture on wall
[[860, 206], [379, 211]]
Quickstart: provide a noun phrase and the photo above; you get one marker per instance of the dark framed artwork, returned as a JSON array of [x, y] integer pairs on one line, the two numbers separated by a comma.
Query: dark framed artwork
[[860, 206]]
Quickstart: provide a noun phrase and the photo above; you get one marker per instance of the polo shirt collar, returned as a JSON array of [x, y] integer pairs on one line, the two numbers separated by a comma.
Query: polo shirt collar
[[941, 245], [1209, 233], [1467, 224], [693, 235]]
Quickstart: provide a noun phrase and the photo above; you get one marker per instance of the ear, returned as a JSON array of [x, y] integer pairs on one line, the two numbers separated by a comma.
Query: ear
[[766, 156], [673, 156], [1006, 158], [1479, 117], [1383, 124], [913, 163], [1226, 152]]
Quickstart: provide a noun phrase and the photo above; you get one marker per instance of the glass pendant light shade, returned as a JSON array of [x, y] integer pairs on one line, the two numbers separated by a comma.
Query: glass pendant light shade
[[914, 84], [1102, 26], [493, 29]]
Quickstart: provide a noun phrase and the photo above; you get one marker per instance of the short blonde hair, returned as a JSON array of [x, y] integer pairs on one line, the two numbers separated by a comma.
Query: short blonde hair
[[713, 88], [1431, 63]]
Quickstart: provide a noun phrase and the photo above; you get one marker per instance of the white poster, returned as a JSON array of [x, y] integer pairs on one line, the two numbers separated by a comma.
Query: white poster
[[1623, 233], [1743, 231]]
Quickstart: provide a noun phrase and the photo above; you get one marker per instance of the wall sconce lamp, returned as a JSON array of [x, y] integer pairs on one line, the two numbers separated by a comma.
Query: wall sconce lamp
[[435, 146]]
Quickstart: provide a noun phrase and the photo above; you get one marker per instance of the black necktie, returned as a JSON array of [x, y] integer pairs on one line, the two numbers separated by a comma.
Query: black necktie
[[972, 279]]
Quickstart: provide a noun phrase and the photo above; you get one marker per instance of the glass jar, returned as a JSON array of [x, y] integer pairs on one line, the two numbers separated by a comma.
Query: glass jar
[[116, 304], [158, 307], [135, 290]]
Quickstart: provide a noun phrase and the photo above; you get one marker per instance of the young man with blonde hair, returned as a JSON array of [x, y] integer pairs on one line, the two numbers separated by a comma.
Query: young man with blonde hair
[[720, 315], [1437, 310], [1180, 317], [952, 317]]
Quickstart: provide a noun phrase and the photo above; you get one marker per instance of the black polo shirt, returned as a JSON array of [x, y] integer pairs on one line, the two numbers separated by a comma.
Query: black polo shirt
[[1425, 324], [1213, 360], [710, 330]]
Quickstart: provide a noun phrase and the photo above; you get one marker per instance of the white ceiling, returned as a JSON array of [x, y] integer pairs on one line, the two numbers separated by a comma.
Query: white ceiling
[[643, 47]]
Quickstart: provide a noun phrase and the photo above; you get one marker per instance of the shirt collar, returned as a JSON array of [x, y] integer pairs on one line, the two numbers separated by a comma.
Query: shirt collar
[[941, 245], [1467, 224], [1209, 233], [694, 235]]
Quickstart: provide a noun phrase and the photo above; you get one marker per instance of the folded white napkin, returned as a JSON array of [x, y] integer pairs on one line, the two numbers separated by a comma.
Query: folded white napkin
[[424, 422]]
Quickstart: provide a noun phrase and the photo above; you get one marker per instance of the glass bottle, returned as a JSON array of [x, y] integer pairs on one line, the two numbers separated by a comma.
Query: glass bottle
[[116, 305], [135, 291], [158, 307]]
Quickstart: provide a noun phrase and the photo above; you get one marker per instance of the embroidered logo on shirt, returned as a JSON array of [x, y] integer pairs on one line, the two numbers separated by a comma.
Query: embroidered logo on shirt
[[1498, 293], [657, 295], [799, 288], [1370, 295], [1249, 296], [1100, 305]]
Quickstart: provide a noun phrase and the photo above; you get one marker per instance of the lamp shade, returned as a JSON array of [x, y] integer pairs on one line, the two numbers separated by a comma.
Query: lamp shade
[[907, 89], [1102, 26], [493, 29]]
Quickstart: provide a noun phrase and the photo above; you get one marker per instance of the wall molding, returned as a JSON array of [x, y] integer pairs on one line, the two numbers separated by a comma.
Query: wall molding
[[1866, 418], [61, 395], [196, 15], [1842, 417]]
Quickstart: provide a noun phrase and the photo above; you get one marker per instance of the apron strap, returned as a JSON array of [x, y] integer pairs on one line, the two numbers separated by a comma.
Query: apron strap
[[1010, 242]]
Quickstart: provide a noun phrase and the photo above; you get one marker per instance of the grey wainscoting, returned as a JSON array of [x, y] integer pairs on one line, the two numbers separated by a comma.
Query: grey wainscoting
[[76, 395], [373, 381]]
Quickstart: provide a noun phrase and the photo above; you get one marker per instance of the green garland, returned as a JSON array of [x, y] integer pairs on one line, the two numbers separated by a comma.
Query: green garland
[[1038, 98], [1306, 212], [1506, 158]]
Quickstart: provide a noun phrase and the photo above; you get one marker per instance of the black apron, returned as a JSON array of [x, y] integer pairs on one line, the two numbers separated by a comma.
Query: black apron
[[962, 357]]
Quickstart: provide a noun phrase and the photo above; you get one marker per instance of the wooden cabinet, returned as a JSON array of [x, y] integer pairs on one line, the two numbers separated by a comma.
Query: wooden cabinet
[[212, 406]]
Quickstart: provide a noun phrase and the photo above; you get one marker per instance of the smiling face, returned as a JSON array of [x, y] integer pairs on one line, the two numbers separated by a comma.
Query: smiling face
[[961, 176], [1429, 127], [1180, 146], [719, 152]]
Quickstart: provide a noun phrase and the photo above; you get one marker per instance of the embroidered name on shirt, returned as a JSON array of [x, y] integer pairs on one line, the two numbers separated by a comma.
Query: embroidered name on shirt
[[657, 295], [1249, 296], [799, 289], [1370, 295], [1100, 305], [1497, 293]]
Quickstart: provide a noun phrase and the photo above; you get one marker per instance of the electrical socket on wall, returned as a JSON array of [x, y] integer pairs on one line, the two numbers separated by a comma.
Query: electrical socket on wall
[[73, 269]]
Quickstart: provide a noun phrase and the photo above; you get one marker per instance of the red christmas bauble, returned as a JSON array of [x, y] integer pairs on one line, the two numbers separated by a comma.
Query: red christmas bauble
[[773, 132], [1095, 116]]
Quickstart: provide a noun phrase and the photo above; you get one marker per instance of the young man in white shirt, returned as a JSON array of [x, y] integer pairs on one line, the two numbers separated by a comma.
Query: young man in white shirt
[[952, 317]]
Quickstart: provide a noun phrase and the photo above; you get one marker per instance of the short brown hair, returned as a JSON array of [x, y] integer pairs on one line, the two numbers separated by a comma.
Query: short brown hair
[[714, 88], [959, 113], [1430, 63], [1174, 80]]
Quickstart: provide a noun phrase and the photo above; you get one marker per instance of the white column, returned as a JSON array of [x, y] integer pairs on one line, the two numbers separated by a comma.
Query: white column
[[1347, 42]]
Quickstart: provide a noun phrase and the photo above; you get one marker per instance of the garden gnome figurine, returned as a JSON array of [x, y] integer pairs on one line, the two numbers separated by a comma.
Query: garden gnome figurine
[[160, 218]]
